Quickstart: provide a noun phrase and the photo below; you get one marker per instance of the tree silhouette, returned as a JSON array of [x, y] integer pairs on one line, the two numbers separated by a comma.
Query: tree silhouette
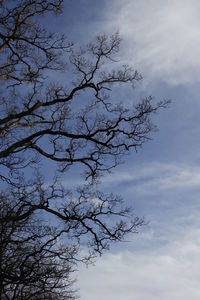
[[44, 227]]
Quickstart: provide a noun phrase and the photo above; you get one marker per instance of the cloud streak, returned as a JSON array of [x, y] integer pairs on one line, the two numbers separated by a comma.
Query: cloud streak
[[162, 262], [169, 271], [161, 176], [162, 37]]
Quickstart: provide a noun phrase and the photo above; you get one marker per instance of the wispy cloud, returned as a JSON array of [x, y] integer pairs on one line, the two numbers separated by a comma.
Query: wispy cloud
[[162, 262], [162, 37], [165, 272], [154, 177]]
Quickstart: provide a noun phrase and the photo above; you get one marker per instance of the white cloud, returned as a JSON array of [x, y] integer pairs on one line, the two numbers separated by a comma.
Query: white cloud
[[154, 177], [163, 261], [167, 272], [162, 37]]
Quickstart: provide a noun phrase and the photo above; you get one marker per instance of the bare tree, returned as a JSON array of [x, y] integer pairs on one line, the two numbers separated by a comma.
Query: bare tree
[[68, 122], [33, 262]]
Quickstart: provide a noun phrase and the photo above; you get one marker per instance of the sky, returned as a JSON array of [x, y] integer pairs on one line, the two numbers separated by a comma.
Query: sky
[[160, 38]]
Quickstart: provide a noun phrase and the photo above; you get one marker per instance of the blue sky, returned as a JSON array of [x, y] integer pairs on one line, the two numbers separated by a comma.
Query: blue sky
[[161, 39]]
